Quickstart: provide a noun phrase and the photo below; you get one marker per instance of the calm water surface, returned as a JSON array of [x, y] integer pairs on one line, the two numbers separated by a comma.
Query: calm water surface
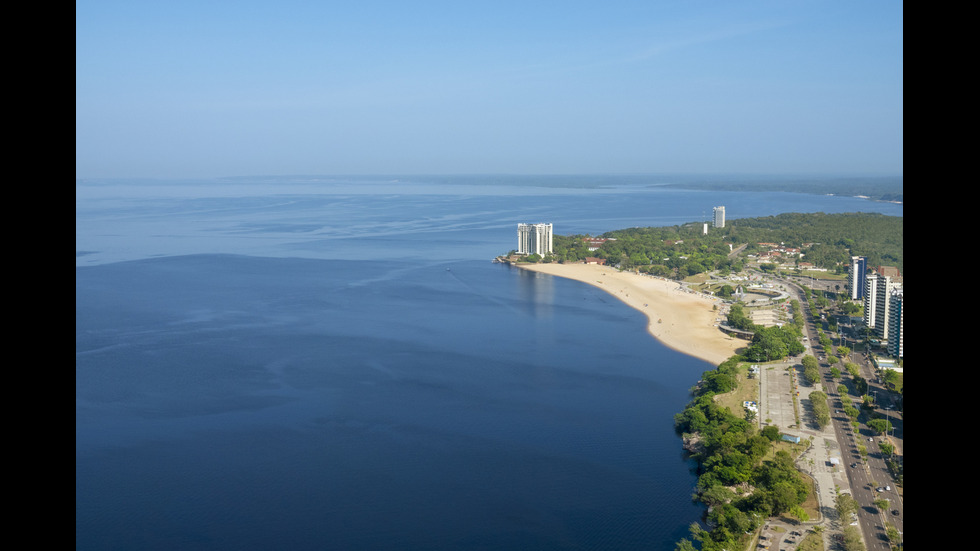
[[339, 366]]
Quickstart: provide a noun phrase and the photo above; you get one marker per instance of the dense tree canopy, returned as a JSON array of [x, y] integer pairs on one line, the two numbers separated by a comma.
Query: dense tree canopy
[[775, 343], [730, 453], [835, 236], [827, 240]]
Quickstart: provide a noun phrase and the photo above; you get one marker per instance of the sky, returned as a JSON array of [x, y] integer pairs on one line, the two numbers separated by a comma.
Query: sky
[[184, 89]]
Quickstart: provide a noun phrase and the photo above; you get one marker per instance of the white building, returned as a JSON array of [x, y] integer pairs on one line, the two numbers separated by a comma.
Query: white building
[[534, 239], [719, 217], [877, 294]]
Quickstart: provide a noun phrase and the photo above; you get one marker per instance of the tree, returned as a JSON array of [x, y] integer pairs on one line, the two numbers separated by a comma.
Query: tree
[[892, 378], [845, 505], [811, 374], [717, 495], [860, 384], [811, 370], [773, 343], [881, 426], [771, 432], [781, 483], [785, 497], [852, 539], [738, 319], [800, 513], [821, 411], [697, 533], [893, 534]]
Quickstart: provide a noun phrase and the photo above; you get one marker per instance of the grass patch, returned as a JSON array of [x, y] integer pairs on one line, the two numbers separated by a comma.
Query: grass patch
[[746, 391], [824, 276], [812, 504], [697, 278], [811, 542]]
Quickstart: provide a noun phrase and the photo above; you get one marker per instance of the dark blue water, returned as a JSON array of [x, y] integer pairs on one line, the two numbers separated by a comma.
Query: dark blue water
[[340, 366]]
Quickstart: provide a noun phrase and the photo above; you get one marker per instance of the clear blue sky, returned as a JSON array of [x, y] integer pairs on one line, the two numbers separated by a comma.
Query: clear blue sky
[[215, 88]]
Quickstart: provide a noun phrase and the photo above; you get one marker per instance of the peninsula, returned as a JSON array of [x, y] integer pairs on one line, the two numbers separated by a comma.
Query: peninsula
[[681, 319]]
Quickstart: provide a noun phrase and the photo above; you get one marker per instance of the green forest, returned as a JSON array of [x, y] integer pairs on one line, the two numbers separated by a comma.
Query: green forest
[[826, 240]]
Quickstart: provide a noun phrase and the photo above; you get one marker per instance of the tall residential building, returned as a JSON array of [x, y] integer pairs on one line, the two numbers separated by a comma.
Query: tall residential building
[[534, 239], [896, 322], [871, 282], [855, 276], [877, 293], [719, 217]]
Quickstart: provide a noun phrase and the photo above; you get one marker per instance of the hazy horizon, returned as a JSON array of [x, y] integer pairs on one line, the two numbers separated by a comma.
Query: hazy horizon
[[188, 90]]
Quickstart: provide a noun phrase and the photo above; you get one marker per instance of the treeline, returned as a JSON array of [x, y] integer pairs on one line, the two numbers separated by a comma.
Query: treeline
[[837, 237], [682, 251], [735, 480], [676, 251]]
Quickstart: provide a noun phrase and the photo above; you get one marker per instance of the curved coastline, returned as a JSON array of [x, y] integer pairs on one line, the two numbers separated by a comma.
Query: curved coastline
[[682, 320]]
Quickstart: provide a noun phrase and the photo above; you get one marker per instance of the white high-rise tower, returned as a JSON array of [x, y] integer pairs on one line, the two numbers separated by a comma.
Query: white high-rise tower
[[877, 292], [534, 239], [719, 217]]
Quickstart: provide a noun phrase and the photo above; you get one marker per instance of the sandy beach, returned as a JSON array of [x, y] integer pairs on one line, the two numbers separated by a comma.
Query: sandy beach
[[681, 319]]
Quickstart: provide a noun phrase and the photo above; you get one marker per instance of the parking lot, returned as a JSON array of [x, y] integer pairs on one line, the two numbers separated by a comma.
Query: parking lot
[[777, 385]]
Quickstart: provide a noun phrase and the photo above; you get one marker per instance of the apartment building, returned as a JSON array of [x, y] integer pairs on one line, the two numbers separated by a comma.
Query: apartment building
[[534, 239]]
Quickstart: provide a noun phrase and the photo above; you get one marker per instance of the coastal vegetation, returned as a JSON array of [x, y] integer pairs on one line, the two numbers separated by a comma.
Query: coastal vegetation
[[834, 238], [826, 241], [747, 474], [743, 476]]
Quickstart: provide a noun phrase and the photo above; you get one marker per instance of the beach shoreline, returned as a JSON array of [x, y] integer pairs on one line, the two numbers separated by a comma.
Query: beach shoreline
[[681, 319]]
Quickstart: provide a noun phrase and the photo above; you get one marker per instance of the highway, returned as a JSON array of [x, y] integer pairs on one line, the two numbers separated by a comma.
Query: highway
[[866, 477]]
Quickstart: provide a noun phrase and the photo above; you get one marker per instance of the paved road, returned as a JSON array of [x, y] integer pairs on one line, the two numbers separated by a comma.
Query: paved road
[[737, 250], [863, 478]]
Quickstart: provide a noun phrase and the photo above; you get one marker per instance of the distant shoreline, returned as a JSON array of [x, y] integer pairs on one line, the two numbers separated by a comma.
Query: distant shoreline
[[681, 319]]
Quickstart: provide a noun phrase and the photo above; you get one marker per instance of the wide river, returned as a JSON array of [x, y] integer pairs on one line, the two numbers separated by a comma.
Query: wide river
[[336, 364]]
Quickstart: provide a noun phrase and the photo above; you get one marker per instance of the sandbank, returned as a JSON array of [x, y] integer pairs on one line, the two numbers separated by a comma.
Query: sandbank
[[681, 319]]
